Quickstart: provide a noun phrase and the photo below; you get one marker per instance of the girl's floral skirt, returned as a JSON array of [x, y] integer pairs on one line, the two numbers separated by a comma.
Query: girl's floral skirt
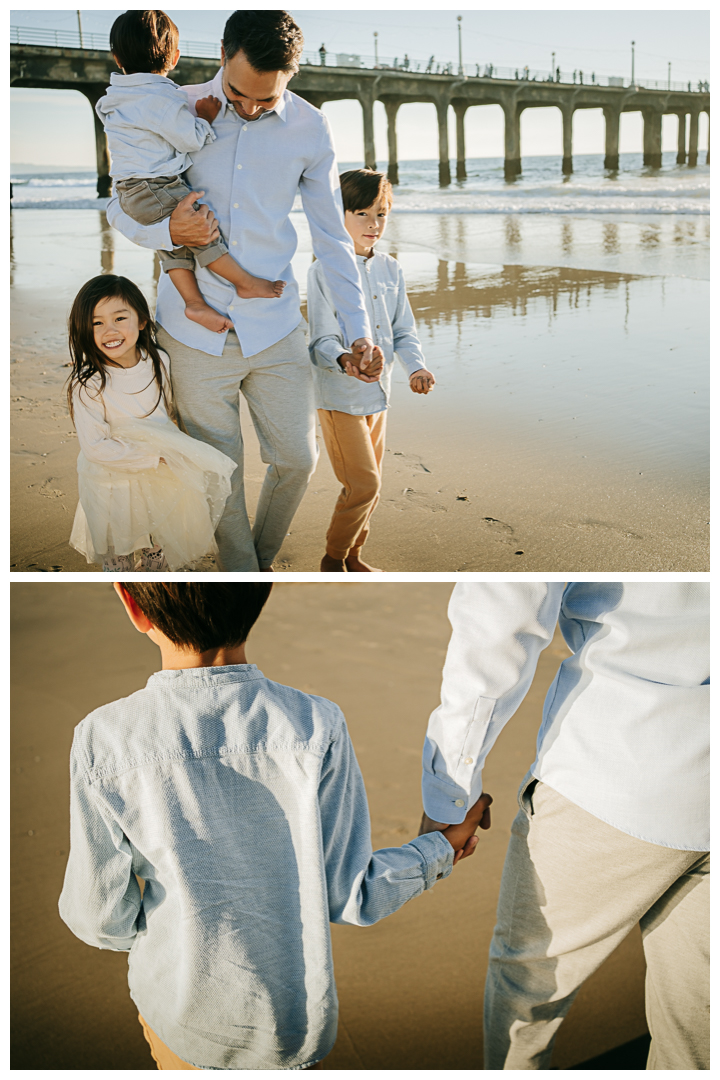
[[176, 505]]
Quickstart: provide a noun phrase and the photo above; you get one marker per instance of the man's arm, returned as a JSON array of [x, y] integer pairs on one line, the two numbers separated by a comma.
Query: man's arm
[[320, 193], [499, 631], [100, 900], [185, 226], [327, 348]]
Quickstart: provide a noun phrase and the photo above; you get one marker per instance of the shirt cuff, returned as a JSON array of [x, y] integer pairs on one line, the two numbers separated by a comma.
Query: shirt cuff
[[437, 854], [444, 802]]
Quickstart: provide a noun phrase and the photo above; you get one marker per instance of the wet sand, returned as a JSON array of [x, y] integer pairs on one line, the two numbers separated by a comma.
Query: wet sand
[[410, 988], [568, 430]]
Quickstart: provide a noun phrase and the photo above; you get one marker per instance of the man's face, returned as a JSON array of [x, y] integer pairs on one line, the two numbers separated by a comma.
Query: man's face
[[251, 92]]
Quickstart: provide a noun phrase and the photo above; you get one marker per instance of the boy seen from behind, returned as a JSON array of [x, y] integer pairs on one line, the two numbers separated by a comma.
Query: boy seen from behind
[[353, 411], [238, 804]]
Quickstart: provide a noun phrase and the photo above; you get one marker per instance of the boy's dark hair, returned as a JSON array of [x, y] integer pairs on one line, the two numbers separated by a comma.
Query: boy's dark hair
[[271, 40], [144, 41], [201, 617], [361, 187]]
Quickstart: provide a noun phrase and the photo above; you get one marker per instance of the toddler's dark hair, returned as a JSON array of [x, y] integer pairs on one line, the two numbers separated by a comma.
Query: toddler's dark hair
[[271, 40], [361, 187], [201, 617], [144, 41], [88, 362]]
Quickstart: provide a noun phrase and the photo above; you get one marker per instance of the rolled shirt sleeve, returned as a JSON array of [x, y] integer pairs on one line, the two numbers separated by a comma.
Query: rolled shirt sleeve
[[100, 900], [499, 631], [365, 885], [154, 237], [320, 194]]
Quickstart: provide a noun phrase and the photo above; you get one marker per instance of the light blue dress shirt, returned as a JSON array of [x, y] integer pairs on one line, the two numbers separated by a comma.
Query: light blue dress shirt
[[251, 174], [393, 329], [240, 804], [625, 726]]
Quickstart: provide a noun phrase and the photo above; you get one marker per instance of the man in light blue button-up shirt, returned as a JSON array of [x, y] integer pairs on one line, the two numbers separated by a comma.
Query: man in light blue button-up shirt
[[614, 821], [269, 144]]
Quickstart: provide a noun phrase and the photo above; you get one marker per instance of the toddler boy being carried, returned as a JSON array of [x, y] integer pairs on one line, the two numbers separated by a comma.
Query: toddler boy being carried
[[151, 134]]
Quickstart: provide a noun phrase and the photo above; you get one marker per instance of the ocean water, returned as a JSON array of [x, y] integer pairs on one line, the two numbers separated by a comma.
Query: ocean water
[[541, 189]]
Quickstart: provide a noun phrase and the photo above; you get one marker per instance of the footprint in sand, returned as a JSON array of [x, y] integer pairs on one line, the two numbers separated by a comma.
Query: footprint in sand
[[590, 526]]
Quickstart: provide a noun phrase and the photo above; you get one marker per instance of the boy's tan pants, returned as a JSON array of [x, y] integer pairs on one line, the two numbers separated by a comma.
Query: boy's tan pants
[[164, 1057], [355, 446], [572, 888]]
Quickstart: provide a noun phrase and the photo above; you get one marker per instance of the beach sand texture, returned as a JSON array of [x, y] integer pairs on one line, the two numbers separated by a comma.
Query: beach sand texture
[[410, 988], [567, 432]]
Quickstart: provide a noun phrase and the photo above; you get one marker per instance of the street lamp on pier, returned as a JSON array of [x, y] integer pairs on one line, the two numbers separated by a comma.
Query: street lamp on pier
[[552, 69], [632, 76], [375, 35], [80, 30], [460, 63], [669, 69]]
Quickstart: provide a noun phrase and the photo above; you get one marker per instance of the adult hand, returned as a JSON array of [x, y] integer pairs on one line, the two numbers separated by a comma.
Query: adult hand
[[373, 367], [462, 837], [192, 227], [422, 381], [207, 108], [363, 353]]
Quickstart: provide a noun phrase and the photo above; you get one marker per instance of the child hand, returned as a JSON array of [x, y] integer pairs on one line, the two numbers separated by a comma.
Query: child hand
[[422, 381], [207, 108]]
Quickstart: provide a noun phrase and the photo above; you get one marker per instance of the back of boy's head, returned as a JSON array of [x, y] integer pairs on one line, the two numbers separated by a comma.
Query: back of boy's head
[[362, 187], [144, 41], [197, 618]]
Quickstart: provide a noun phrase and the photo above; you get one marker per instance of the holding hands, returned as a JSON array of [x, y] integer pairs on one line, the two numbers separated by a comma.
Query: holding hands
[[365, 362], [462, 837]]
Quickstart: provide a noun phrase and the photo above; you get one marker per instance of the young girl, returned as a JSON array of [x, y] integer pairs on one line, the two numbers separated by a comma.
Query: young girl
[[145, 487]]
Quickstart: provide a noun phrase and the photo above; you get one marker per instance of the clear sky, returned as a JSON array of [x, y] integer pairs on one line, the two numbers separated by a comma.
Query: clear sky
[[55, 127]]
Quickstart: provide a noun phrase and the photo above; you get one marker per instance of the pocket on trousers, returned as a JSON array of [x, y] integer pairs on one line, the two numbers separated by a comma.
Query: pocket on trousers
[[525, 795]]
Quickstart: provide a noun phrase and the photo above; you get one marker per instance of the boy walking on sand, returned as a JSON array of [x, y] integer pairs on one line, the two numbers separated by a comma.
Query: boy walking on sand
[[238, 804], [352, 412]]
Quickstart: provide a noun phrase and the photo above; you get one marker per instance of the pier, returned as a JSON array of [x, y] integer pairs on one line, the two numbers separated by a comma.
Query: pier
[[88, 71]]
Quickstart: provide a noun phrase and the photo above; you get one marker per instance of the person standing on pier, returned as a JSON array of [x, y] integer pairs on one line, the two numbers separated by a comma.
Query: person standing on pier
[[269, 144]]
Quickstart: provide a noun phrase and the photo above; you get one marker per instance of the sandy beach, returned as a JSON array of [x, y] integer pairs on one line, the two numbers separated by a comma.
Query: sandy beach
[[410, 988], [567, 432]]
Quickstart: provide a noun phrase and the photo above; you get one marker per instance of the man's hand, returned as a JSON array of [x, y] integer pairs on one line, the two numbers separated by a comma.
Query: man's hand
[[422, 381], [367, 370], [207, 108], [364, 352], [462, 837], [190, 226]]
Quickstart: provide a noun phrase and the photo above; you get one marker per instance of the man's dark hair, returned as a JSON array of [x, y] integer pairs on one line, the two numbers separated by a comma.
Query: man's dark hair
[[361, 187], [270, 40], [144, 41], [201, 617]]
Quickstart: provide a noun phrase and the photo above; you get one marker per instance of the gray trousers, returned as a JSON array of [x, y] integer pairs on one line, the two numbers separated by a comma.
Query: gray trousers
[[153, 200], [572, 889], [277, 386]]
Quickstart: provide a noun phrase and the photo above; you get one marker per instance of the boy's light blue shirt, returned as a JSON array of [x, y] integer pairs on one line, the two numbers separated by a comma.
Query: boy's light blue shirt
[[393, 329], [251, 174], [240, 804], [625, 727], [150, 129]]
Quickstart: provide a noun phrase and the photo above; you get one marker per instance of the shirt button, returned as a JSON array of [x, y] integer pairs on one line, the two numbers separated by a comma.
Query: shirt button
[[236, 205], [231, 308], [239, 166], [245, 127], [378, 326], [458, 802], [374, 297], [468, 761], [234, 243]]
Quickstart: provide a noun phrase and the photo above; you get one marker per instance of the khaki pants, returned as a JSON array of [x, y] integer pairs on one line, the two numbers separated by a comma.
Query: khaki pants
[[572, 889], [355, 446], [164, 1057]]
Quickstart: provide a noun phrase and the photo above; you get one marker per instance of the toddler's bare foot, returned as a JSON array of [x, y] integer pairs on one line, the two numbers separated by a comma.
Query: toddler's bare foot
[[202, 313], [331, 566], [255, 286], [355, 565]]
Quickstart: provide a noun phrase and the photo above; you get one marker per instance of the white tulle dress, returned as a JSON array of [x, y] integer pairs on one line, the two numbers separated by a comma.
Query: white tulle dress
[[129, 499]]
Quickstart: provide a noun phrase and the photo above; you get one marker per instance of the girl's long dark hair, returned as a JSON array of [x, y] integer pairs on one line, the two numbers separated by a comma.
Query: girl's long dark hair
[[88, 362]]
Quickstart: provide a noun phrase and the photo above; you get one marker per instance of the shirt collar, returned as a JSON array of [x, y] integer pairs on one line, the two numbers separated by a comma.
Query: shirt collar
[[217, 90]]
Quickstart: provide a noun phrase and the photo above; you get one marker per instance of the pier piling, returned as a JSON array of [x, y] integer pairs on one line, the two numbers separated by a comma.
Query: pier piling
[[612, 138], [460, 110], [652, 138], [682, 140], [693, 148]]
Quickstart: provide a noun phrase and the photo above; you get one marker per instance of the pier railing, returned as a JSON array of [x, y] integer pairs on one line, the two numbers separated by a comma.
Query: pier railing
[[73, 39]]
